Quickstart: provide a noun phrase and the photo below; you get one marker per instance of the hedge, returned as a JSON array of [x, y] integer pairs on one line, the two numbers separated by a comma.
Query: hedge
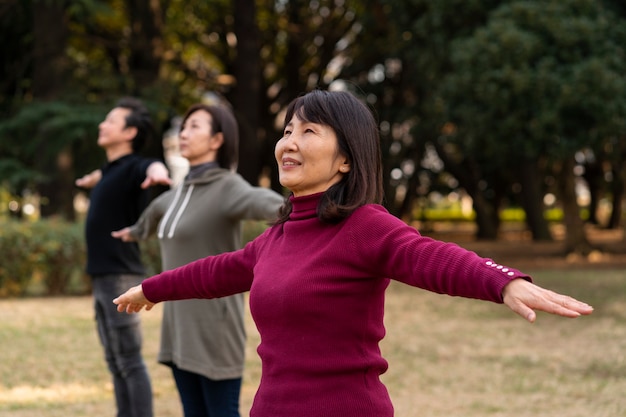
[[47, 257]]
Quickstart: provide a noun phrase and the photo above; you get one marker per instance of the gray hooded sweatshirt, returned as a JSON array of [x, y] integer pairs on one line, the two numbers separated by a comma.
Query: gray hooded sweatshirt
[[202, 217]]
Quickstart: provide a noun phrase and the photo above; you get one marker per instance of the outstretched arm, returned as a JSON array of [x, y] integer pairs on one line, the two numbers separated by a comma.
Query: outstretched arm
[[156, 174], [524, 298], [90, 180], [133, 300]]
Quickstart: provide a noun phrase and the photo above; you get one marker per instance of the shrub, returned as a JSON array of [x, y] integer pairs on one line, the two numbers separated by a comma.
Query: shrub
[[62, 257], [43, 257], [48, 257], [19, 260]]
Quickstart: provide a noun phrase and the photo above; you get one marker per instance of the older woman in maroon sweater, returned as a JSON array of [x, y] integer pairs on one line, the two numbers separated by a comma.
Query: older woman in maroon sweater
[[317, 278]]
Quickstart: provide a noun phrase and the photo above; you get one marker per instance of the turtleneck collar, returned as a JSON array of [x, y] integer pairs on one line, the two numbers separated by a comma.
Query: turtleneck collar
[[197, 170], [304, 207]]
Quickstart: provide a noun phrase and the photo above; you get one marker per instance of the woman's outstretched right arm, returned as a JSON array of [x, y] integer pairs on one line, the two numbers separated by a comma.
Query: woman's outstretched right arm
[[212, 277]]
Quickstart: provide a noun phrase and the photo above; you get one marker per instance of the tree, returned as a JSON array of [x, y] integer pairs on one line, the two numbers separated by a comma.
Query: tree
[[62, 79], [400, 60], [540, 81]]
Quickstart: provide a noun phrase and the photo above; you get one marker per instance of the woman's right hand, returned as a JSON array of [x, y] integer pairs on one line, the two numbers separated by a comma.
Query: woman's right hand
[[133, 300]]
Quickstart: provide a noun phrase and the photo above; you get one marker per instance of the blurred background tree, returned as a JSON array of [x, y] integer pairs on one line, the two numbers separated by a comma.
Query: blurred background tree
[[501, 103], [538, 83]]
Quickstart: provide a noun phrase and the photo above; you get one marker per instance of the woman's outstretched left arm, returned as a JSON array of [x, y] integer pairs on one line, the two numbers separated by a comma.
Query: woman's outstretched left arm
[[524, 297]]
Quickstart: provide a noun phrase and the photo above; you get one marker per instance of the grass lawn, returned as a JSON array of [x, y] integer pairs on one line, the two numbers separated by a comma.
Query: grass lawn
[[448, 356]]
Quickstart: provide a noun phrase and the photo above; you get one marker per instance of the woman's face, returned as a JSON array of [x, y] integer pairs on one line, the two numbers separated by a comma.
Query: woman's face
[[308, 158], [197, 142]]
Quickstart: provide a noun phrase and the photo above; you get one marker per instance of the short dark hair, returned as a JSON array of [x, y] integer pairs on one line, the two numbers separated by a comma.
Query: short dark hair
[[139, 117], [222, 120], [358, 140]]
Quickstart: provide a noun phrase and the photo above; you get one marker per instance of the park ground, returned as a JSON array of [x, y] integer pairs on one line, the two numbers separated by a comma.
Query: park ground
[[515, 247], [448, 357]]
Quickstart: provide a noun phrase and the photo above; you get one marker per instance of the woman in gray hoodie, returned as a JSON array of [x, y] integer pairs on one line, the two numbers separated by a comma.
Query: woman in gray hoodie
[[203, 341]]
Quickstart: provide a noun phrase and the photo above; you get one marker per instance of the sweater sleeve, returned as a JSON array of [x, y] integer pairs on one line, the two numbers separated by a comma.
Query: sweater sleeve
[[244, 201], [398, 251], [211, 277], [147, 223]]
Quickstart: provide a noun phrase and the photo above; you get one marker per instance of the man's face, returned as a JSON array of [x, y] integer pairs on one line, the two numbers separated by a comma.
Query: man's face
[[113, 132]]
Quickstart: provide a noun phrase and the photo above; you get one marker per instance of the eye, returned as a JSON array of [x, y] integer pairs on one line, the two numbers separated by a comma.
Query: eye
[[287, 132]]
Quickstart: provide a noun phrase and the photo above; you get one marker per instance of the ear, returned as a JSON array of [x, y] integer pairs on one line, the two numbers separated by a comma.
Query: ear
[[217, 140], [344, 168], [130, 133]]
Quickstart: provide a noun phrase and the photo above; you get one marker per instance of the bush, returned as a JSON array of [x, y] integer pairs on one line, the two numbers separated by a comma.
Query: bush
[[45, 257], [151, 255], [48, 257]]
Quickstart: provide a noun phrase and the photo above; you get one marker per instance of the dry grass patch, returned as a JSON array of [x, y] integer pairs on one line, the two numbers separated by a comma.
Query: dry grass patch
[[448, 356]]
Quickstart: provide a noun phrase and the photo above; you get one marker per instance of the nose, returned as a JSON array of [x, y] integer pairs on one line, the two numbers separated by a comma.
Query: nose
[[288, 143]]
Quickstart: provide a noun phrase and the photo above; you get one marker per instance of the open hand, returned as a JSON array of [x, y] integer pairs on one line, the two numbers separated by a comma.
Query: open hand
[[524, 297], [156, 174], [133, 300]]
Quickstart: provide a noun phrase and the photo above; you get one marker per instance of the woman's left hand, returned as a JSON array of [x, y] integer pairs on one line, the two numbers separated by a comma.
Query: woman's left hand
[[524, 298]]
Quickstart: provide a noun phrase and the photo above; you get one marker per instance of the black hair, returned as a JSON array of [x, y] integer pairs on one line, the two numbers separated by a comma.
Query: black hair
[[358, 140], [222, 121], [139, 117]]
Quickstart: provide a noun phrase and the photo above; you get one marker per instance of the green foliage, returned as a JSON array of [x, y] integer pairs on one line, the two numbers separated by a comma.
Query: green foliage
[[252, 229], [45, 257], [540, 78], [519, 77], [151, 256], [34, 137]]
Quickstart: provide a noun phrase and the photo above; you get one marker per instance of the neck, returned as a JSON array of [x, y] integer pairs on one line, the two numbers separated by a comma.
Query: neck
[[204, 159], [197, 170], [115, 153]]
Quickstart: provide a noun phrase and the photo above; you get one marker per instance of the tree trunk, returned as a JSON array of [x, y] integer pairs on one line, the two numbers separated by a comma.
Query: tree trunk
[[146, 43], [617, 192], [50, 73], [575, 238], [405, 209], [467, 173], [532, 200], [594, 175], [246, 94], [58, 194], [50, 63], [485, 215]]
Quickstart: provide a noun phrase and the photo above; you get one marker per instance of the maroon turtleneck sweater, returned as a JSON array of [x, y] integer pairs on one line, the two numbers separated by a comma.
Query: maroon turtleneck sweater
[[317, 298]]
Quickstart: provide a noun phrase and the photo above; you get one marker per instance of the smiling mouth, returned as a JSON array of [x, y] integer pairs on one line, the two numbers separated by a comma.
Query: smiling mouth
[[290, 163]]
